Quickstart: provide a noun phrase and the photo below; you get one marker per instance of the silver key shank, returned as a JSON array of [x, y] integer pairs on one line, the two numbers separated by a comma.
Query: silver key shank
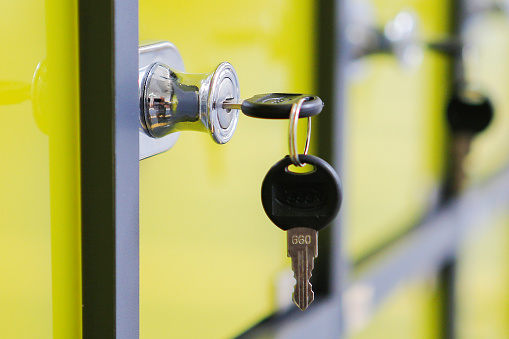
[[302, 249]]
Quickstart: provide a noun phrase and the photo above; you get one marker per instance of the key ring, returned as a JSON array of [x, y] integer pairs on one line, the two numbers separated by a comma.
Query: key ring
[[292, 140]]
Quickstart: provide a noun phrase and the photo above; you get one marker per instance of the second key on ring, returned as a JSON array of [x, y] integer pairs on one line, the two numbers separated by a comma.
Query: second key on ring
[[276, 105]]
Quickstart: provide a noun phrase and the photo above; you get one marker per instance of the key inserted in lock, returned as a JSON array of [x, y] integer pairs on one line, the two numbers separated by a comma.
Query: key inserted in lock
[[173, 101]]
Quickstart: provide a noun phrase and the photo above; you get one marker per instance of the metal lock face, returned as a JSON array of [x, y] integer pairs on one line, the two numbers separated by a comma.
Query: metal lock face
[[172, 101]]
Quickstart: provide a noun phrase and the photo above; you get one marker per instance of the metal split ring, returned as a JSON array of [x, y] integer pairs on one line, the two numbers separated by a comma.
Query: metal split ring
[[292, 140]]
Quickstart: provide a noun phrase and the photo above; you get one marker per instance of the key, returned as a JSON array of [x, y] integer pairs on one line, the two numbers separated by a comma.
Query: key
[[302, 204], [468, 113], [276, 105]]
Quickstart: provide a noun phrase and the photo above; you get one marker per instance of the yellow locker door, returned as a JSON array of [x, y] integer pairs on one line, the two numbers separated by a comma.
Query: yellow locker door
[[39, 172]]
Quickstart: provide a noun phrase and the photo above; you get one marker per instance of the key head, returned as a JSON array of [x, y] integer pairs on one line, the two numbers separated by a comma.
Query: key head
[[279, 105], [469, 112], [310, 199]]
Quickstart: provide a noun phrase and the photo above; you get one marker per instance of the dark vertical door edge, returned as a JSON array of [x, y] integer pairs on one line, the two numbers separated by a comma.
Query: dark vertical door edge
[[108, 40], [447, 273], [333, 57], [325, 54]]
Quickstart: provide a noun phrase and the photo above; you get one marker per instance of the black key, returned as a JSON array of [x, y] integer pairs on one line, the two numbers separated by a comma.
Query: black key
[[302, 204], [277, 105], [311, 199], [469, 112]]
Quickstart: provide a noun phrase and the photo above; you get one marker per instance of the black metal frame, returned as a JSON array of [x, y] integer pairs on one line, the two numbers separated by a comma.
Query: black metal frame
[[108, 39]]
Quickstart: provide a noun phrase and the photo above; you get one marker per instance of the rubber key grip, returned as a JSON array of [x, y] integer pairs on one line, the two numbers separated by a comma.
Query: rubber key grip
[[279, 105], [468, 116]]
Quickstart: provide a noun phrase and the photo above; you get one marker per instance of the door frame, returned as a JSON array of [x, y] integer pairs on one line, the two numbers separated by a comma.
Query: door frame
[[108, 40]]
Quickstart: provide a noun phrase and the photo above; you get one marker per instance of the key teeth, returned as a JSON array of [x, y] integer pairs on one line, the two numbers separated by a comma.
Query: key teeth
[[310, 293]]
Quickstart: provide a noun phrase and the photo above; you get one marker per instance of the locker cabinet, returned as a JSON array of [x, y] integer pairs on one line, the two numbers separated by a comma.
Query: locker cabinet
[[96, 243]]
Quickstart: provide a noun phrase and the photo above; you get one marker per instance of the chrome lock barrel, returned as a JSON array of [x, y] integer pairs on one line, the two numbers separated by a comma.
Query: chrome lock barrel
[[173, 101]]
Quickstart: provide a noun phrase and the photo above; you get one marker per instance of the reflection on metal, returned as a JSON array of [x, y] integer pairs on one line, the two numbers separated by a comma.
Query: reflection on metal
[[399, 36], [172, 101], [168, 54]]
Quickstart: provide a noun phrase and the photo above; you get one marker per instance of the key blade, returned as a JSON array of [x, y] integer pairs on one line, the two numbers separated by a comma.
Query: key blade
[[231, 104], [302, 249]]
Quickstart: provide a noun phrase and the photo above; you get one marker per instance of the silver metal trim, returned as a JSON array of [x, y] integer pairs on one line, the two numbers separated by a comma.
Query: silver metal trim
[[292, 134], [126, 176]]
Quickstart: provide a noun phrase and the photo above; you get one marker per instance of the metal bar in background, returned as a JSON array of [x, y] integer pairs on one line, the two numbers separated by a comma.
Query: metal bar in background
[[108, 38], [428, 248]]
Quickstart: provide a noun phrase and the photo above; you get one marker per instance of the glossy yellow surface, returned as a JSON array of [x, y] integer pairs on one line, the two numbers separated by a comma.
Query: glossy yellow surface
[[39, 176], [488, 69], [394, 148], [210, 258], [411, 312]]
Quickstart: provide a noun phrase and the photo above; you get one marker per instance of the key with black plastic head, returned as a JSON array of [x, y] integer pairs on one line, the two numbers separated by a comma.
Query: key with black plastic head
[[276, 105], [469, 113], [302, 204]]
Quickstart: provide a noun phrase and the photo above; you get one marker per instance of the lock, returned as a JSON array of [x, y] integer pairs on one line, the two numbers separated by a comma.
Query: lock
[[172, 101], [399, 37]]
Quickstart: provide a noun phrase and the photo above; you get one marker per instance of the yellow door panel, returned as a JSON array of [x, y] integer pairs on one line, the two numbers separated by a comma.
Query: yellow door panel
[[39, 175], [209, 257], [488, 69]]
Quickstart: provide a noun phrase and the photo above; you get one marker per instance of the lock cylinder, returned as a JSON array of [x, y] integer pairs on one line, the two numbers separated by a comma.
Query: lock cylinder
[[173, 101]]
